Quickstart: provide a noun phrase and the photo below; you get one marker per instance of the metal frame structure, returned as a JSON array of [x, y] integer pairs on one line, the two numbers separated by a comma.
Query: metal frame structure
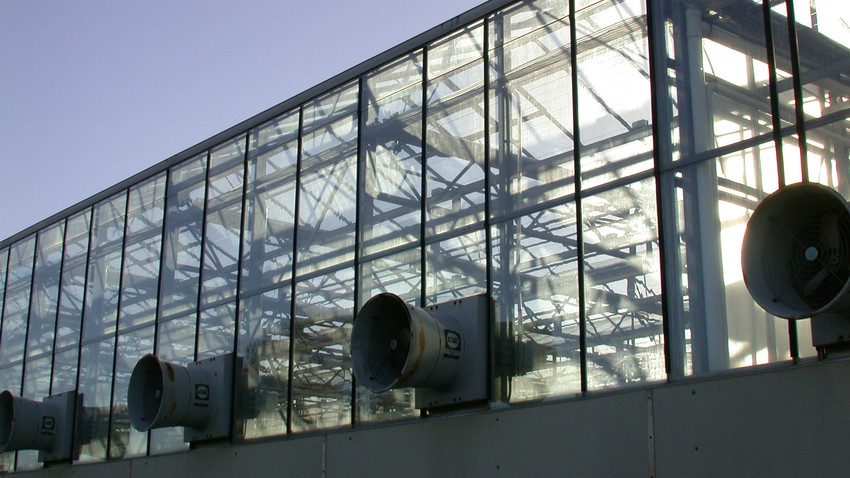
[[586, 164]]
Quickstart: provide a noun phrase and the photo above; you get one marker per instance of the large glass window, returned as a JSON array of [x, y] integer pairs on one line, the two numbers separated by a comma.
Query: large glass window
[[391, 156], [531, 114], [625, 343], [92, 432], [454, 154], [72, 292], [142, 253], [126, 441], [175, 342], [104, 271], [181, 253], [269, 225], [613, 90], [321, 374], [399, 274], [263, 386], [42, 317], [327, 198], [535, 287], [17, 303], [223, 222]]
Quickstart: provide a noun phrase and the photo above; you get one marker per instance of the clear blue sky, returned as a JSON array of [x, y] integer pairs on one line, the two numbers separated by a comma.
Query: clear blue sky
[[92, 92]]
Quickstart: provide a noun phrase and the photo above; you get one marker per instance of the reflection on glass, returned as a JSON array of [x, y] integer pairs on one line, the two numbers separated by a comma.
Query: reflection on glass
[[270, 204], [223, 222], [36, 387], [262, 388], [454, 155], [16, 306], [45, 290], [73, 280], [456, 268], [625, 343], [399, 274], [92, 431], [101, 310], [215, 336], [65, 370], [531, 156], [613, 90], [175, 343], [126, 441], [535, 285], [141, 253], [328, 186], [321, 380], [391, 153], [716, 325], [181, 253]]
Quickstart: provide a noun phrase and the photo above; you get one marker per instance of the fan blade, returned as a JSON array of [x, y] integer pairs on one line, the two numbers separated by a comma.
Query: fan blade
[[815, 282]]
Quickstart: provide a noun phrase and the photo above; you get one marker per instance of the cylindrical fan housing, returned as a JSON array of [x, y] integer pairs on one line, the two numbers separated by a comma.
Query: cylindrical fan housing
[[164, 394], [397, 345], [26, 424], [796, 252]]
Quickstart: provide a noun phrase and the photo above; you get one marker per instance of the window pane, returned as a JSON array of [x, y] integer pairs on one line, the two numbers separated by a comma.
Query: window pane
[[182, 242], [456, 268], [104, 272], [126, 441], [625, 342], [42, 319], [65, 370], [391, 149], [261, 394], [328, 189], [175, 343], [215, 336], [16, 306], [73, 280], [321, 381], [92, 431], [141, 253], [455, 131], [399, 274], [716, 325], [535, 284], [221, 239], [531, 106], [613, 91], [270, 204], [36, 387]]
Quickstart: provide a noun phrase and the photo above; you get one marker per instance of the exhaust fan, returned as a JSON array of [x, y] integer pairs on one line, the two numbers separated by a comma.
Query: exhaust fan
[[164, 394], [45, 426], [441, 350], [796, 259]]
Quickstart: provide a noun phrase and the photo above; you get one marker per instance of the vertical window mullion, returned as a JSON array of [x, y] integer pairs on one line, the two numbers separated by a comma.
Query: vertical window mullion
[[296, 216]]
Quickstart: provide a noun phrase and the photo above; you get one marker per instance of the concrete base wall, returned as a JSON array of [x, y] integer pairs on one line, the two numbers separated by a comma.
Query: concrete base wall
[[789, 421]]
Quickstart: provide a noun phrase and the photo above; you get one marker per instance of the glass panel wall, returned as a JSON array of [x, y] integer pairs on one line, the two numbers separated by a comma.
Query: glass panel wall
[[321, 371], [391, 156], [454, 152], [140, 278], [327, 198], [17, 303], [267, 247], [45, 294], [104, 270], [524, 142], [181, 255], [72, 291]]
